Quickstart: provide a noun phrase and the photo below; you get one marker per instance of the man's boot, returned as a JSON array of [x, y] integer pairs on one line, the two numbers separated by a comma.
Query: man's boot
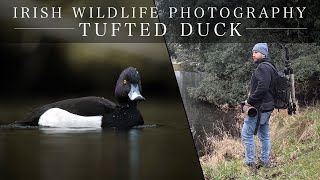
[[253, 168]]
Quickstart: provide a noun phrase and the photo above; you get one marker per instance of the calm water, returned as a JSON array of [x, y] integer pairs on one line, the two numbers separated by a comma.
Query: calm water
[[163, 149], [204, 118]]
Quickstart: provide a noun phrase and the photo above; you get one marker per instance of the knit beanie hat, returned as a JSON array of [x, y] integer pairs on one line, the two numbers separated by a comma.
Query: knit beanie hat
[[262, 48]]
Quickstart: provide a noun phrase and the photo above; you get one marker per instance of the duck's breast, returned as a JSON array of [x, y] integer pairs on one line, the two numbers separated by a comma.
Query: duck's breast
[[56, 117]]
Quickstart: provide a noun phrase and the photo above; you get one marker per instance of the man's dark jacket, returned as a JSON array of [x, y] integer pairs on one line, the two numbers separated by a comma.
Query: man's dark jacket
[[261, 86]]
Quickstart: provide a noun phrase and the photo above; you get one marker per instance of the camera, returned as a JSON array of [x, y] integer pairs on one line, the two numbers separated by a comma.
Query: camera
[[249, 110]]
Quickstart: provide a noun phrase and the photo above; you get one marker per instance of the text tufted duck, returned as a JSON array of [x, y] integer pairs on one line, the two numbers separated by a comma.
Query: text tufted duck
[[94, 111]]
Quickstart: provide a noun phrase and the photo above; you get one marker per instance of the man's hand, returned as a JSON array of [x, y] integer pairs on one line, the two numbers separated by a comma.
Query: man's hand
[[246, 103], [246, 106]]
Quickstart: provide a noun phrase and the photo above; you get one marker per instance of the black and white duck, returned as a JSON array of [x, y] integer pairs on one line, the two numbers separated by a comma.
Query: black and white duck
[[94, 111]]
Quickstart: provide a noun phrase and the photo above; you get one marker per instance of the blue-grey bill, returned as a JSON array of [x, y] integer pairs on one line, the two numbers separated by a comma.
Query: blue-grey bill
[[134, 93]]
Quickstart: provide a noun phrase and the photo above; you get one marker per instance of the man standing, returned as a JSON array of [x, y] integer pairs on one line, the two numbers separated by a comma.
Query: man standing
[[261, 98]]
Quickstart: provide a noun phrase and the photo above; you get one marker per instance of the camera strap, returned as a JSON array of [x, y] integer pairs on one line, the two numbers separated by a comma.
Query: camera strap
[[258, 122]]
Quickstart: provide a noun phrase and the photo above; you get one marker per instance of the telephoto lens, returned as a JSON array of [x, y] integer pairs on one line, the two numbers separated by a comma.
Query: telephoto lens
[[249, 110]]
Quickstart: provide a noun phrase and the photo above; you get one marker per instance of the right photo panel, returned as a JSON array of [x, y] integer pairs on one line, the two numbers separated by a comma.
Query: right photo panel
[[249, 78], [253, 108]]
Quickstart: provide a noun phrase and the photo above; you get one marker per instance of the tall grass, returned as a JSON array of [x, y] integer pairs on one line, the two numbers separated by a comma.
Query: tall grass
[[293, 139]]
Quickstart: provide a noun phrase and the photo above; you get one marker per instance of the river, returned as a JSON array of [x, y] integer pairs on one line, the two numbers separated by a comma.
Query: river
[[162, 149], [204, 118]]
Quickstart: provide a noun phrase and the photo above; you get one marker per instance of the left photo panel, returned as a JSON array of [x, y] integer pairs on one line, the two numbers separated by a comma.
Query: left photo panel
[[77, 108]]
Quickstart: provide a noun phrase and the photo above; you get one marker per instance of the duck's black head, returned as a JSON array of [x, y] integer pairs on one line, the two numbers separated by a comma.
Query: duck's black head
[[128, 88]]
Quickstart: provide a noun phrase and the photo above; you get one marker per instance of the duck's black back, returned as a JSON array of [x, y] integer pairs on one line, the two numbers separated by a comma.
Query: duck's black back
[[84, 106]]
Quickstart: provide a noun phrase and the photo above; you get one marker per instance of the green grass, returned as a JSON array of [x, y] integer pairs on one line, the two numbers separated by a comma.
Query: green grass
[[295, 149], [233, 169]]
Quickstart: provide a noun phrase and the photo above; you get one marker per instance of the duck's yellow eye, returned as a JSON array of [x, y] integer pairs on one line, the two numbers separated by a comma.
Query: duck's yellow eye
[[124, 82]]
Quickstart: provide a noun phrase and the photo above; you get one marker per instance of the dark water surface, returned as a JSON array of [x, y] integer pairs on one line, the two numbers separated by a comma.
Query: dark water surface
[[204, 118], [163, 149]]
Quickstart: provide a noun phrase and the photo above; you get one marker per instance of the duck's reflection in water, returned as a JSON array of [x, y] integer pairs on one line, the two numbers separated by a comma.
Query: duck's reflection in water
[[134, 153], [123, 150], [50, 130]]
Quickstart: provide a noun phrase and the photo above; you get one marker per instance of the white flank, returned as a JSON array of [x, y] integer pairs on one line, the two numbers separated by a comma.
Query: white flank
[[56, 117]]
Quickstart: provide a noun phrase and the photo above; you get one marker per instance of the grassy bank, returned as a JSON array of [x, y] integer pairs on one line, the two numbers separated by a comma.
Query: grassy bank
[[295, 149]]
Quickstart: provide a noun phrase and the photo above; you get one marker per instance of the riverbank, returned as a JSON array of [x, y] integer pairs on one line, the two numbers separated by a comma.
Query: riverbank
[[295, 149]]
